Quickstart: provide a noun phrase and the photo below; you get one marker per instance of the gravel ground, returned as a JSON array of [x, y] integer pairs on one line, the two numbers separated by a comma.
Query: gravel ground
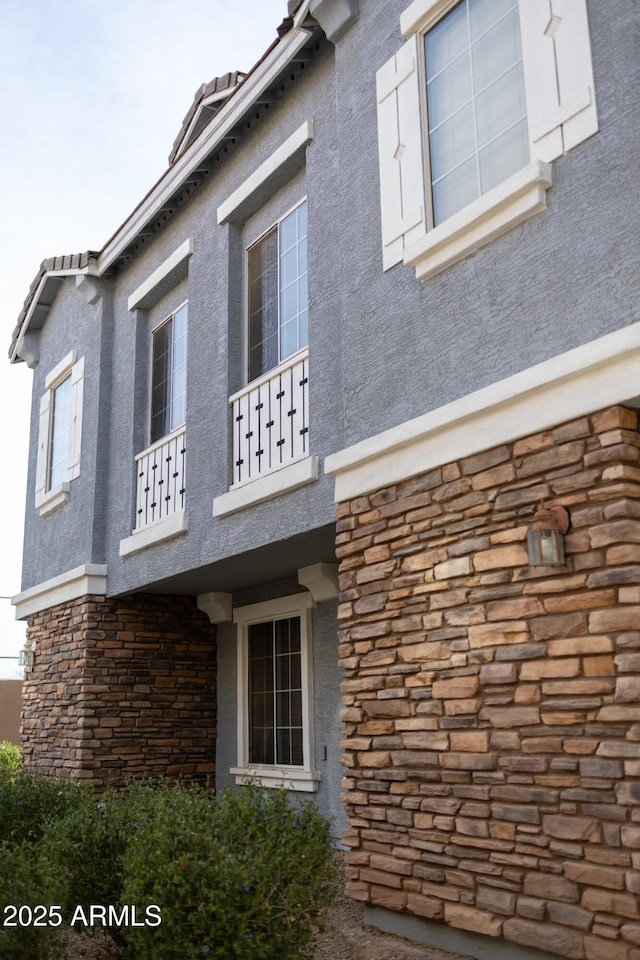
[[346, 938]]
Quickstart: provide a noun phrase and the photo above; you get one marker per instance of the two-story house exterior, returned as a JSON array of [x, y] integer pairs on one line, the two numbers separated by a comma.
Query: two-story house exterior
[[394, 268]]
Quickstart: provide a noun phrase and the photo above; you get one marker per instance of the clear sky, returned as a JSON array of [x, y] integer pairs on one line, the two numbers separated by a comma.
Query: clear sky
[[92, 96]]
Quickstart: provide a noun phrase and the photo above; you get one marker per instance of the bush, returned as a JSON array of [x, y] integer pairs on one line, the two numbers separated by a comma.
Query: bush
[[28, 801], [241, 876], [10, 760]]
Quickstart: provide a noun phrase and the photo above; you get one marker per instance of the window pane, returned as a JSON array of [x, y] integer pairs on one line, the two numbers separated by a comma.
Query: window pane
[[504, 156], [483, 14], [60, 433], [455, 191], [160, 382], [452, 143], [496, 51], [263, 303], [449, 90], [447, 40], [293, 280]]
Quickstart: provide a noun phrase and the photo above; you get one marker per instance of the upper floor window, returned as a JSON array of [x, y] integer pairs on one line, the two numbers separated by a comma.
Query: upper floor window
[[476, 107], [472, 109], [278, 294], [169, 374], [60, 433]]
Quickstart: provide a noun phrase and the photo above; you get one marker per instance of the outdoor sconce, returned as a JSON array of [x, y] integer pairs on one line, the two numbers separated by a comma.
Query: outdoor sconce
[[25, 658], [545, 539]]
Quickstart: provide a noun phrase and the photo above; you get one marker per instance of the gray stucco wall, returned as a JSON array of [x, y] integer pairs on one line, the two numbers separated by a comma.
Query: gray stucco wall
[[383, 347]]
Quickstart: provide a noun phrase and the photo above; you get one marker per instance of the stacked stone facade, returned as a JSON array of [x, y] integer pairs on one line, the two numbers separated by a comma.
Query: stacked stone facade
[[121, 687], [491, 708]]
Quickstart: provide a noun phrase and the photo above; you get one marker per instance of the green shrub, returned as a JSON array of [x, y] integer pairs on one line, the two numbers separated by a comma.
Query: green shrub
[[29, 800], [26, 881], [241, 876], [10, 760]]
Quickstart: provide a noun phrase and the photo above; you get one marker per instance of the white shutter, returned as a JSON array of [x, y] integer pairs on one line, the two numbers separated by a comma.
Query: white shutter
[[400, 152], [75, 431], [558, 75], [43, 446]]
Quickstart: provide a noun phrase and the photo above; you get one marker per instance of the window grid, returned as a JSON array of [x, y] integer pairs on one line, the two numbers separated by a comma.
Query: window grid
[[452, 187], [275, 693], [59, 433]]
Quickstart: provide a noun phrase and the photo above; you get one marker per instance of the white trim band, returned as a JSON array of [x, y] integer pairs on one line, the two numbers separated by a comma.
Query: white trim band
[[598, 374], [170, 272], [290, 477], [90, 578], [166, 529], [299, 139]]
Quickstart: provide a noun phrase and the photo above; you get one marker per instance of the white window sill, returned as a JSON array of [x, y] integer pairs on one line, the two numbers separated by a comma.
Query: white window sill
[[512, 202], [53, 499], [172, 526], [292, 475], [291, 778]]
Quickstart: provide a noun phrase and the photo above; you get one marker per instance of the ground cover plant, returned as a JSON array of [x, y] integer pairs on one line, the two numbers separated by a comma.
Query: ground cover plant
[[168, 870]]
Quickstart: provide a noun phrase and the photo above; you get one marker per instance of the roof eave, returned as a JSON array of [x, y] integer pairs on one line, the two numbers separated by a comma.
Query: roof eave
[[243, 97]]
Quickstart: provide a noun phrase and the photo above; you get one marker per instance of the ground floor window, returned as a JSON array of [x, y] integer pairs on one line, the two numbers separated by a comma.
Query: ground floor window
[[275, 741]]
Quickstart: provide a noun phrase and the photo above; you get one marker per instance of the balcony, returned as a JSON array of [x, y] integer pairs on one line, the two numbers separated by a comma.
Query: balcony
[[270, 420], [160, 492]]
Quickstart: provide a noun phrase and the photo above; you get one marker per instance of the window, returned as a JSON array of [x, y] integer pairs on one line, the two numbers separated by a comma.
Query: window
[[60, 434], [274, 693], [277, 296], [169, 374], [471, 112], [476, 109]]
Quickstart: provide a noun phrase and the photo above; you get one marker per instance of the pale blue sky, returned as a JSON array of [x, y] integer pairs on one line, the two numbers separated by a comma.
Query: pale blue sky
[[92, 98]]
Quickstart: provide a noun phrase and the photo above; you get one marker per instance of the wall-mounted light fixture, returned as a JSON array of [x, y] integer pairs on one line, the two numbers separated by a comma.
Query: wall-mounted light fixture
[[545, 539]]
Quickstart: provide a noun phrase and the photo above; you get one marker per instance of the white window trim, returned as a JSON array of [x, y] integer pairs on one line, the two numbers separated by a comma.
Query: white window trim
[[299, 778], [561, 113], [170, 272], [49, 499], [298, 140]]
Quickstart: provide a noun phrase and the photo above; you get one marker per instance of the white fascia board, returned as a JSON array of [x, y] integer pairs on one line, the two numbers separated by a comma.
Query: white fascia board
[[91, 270], [172, 262], [298, 139], [225, 120], [591, 377], [89, 578]]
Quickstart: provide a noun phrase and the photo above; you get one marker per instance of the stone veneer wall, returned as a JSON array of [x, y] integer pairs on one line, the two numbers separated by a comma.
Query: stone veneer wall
[[492, 709], [121, 687]]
